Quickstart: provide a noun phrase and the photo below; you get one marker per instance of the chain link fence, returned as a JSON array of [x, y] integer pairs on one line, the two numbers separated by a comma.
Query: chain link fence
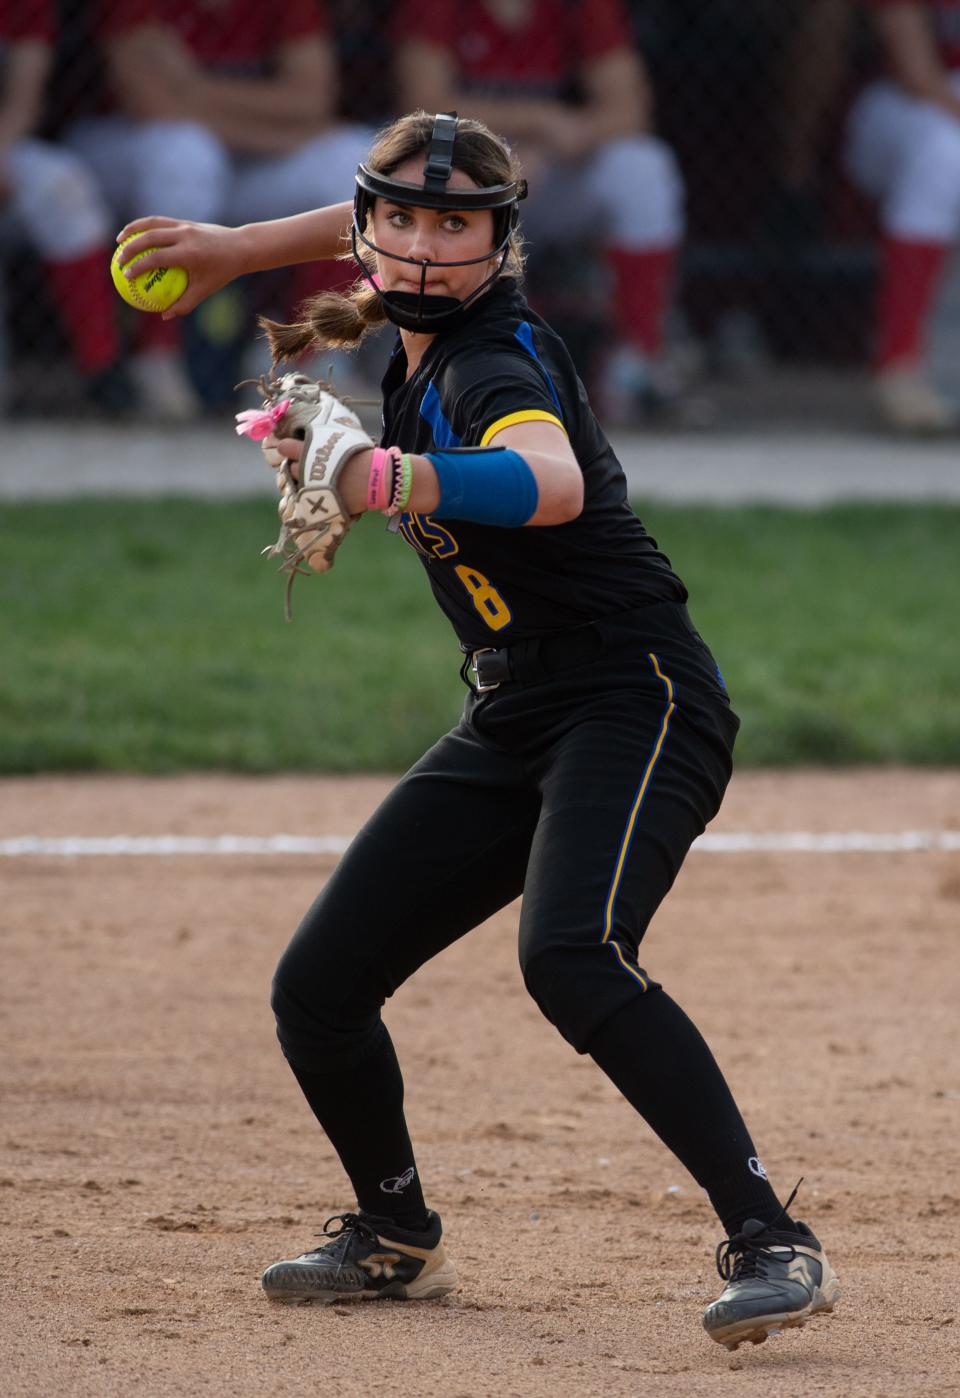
[[773, 263]]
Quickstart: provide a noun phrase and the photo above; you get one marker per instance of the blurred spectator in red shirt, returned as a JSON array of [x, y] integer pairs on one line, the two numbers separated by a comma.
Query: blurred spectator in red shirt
[[220, 112], [903, 149], [56, 203], [563, 82]]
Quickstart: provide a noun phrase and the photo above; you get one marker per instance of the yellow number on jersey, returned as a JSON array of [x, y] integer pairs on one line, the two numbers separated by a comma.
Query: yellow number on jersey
[[485, 597]]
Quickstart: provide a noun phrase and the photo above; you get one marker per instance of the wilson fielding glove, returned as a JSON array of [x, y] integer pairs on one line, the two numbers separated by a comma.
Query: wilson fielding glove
[[314, 522]]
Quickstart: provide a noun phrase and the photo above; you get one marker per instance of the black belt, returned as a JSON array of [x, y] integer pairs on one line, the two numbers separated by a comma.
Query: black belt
[[526, 662]]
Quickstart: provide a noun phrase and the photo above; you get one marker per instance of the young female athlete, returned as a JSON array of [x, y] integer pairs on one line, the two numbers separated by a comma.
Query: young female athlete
[[594, 746]]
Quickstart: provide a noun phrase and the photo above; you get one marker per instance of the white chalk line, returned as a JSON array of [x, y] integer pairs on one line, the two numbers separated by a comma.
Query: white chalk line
[[736, 842]]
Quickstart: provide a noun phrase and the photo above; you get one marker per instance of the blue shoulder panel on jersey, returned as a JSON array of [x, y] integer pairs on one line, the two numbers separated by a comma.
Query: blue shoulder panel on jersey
[[487, 485], [524, 333], [432, 413]]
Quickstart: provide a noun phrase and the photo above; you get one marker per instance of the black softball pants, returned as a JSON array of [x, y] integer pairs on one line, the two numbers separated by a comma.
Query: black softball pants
[[582, 786]]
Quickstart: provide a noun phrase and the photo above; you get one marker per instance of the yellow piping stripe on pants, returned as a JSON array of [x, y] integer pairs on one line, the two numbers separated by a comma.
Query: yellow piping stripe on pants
[[632, 820]]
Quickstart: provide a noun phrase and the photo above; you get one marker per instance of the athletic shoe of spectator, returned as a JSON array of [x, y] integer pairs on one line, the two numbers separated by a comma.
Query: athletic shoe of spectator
[[909, 402], [111, 392], [163, 387], [640, 390], [738, 348]]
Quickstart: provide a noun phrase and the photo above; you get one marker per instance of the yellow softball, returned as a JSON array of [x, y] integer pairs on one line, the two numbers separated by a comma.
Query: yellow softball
[[155, 290]]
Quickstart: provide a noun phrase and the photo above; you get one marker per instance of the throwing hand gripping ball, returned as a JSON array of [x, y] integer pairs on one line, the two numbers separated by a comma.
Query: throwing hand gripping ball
[[155, 290]]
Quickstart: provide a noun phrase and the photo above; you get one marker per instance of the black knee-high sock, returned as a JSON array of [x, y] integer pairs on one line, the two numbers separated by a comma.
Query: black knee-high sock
[[659, 1060], [361, 1110]]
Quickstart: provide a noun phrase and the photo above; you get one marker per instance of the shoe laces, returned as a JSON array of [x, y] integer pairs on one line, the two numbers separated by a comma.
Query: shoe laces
[[341, 1240], [747, 1253]]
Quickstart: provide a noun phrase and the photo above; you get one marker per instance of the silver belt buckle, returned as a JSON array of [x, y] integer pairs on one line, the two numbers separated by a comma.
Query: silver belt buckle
[[474, 670]]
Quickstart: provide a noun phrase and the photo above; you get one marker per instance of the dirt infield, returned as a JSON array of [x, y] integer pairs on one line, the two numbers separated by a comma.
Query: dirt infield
[[155, 1153]]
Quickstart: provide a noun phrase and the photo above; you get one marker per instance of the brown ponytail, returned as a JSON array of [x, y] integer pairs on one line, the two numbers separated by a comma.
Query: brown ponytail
[[331, 320], [341, 319]]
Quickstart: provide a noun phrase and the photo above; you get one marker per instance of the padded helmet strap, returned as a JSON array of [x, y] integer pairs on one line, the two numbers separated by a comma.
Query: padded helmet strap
[[439, 162]]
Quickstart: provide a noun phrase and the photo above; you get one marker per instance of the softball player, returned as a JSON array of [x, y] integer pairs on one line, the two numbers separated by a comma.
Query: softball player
[[595, 742]]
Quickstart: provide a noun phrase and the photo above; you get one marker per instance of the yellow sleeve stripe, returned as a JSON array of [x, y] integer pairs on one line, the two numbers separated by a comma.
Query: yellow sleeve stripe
[[511, 420]]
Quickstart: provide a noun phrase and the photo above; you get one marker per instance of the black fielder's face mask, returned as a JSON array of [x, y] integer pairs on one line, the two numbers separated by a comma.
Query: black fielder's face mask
[[415, 310]]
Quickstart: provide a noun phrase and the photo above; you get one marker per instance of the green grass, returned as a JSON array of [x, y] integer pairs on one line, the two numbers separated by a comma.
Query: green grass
[[149, 636], [837, 629]]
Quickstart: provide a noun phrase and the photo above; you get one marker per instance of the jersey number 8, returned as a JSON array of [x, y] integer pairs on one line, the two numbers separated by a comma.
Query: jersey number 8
[[485, 597]]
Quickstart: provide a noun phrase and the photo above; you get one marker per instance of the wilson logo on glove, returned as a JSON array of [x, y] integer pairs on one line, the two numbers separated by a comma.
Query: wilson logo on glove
[[321, 457]]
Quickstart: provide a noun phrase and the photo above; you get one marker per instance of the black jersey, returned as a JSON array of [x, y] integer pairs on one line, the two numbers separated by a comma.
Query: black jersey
[[503, 365]]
